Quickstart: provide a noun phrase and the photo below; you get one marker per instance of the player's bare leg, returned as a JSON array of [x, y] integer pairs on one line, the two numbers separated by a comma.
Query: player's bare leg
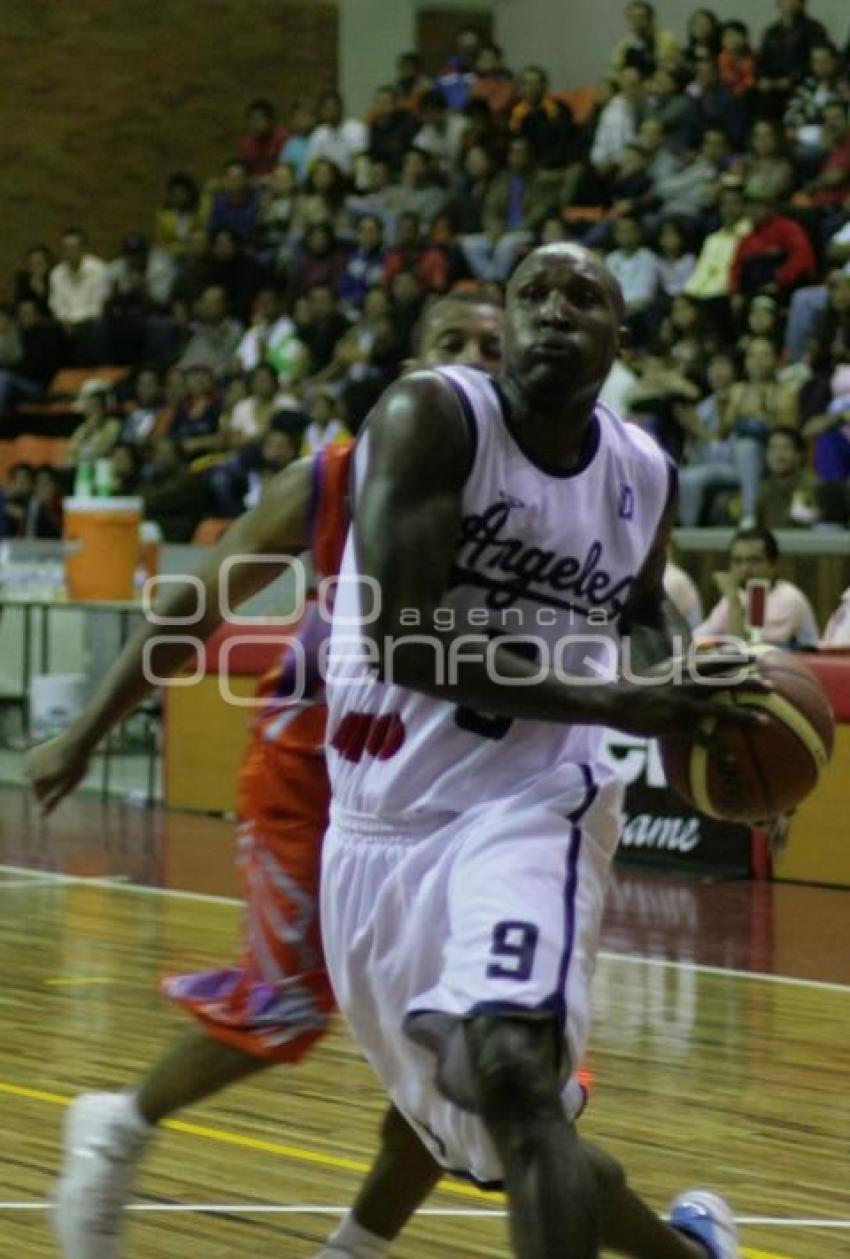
[[401, 1178], [549, 1178], [197, 1067], [627, 1226]]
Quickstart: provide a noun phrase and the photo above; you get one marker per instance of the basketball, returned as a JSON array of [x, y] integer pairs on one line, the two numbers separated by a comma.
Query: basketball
[[772, 767]]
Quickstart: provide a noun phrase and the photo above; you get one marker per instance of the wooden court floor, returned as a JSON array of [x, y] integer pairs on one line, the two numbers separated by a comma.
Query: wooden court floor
[[720, 1055]]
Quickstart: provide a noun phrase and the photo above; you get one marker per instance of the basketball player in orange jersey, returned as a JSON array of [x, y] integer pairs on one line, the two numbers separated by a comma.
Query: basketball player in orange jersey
[[275, 1004]]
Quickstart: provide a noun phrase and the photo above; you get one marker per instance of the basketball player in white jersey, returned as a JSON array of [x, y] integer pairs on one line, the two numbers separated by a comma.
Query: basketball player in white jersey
[[505, 534]]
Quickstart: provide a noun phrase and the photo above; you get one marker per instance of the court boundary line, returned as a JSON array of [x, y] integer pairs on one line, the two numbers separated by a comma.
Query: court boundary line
[[120, 883]]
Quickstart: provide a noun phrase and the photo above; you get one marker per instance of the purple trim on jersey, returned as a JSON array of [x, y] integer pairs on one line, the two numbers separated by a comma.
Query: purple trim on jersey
[[672, 484], [312, 633], [468, 415], [590, 445], [317, 470], [559, 997]]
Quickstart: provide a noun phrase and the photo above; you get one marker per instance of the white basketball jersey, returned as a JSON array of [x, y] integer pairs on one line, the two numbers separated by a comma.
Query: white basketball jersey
[[545, 557]]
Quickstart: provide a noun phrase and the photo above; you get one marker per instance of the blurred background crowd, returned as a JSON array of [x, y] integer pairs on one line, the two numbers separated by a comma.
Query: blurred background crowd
[[265, 306]]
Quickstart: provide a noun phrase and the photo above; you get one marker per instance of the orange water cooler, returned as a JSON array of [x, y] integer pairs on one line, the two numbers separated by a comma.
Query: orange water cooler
[[107, 530]]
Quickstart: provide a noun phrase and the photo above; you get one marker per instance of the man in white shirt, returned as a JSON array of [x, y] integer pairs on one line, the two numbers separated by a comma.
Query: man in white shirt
[[338, 139], [636, 270], [77, 293], [619, 120], [789, 620]]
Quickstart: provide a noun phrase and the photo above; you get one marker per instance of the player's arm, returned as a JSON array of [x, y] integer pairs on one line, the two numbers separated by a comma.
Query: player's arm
[[406, 520], [277, 528], [650, 622]]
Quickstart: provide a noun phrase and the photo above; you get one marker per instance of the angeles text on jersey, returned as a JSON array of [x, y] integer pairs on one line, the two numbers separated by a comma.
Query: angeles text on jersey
[[509, 569]]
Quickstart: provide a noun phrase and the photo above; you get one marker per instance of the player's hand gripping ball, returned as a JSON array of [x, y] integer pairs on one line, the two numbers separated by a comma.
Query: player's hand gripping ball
[[747, 773]]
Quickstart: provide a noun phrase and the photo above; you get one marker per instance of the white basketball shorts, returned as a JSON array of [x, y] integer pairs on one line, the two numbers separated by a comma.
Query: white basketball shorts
[[495, 910]]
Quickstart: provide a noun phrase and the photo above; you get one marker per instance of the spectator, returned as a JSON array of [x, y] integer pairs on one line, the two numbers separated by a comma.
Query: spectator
[[737, 62], [704, 34], [295, 151], [483, 129], [620, 119], [466, 206], [143, 416], [683, 594], [367, 357], [691, 190], [178, 217], [418, 193], [251, 417], [214, 335], [236, 206], [12, 385], [272, 339], [137, 282], [277, 450], [429, 261], [837, 632], [378, 199], [675, 260], [336, 138], [326, 427], [661, 160], [323, 199], [441, 132], [764, 321], [830, 189], [788, 495], [408, 299], [32, 284], [711, 279], [79, 286], [636, 270], [391, 128], [17, 492], [785, 53], [321, 326], [717, 106], [260, 145], [174, 498], [767, 170], [709, 451], [494, 82], [196, 422], [646, 46], [276, 225], [825, 84], [126, 462], [365, 265], [674, 110], [789, 619], [756, 405], [321, 260], [97, 433], [195, 268], [43, 346], [832, 430], [457, 78], [776, 256], [411, 81], [43, 514], [515, 206], [629, 188], [544, 121]]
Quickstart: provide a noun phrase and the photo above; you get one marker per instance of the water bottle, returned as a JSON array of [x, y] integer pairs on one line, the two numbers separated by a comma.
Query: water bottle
[[103, 478], [83, 485]]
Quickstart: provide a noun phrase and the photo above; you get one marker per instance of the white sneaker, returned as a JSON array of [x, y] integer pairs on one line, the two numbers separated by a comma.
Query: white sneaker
[[102, 1147], [706, 1218]]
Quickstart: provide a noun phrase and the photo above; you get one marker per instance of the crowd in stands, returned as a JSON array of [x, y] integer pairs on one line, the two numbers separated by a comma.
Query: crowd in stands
[[264, 308]]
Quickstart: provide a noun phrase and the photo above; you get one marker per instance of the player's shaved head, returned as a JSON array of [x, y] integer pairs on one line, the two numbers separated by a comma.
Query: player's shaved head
[[564, 311], [581, 259]]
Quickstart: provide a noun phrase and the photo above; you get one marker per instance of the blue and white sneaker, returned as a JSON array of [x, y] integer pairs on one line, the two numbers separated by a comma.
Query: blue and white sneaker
[[707, 1219]]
